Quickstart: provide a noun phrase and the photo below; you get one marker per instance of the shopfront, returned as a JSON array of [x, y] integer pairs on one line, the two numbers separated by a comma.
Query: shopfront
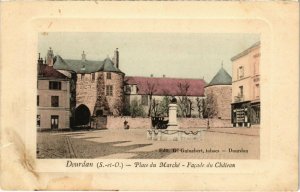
[[245, 114]]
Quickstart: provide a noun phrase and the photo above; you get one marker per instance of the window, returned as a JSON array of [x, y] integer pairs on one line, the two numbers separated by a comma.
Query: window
[[55, 85], [93, 76], [240, 72], [108, 76], [54, 101], [241, 91], [127, 89], [38, 100], [99, 113], [145, 100], [54, 121], [257, 91], [109, 90], [82, 76], [38, 120]]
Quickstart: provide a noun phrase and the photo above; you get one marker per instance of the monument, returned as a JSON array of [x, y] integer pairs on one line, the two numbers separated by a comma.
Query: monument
[[173, 131], [172, 125]]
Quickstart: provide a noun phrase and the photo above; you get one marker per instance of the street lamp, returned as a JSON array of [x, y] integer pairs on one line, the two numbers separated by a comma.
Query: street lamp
[[208, 114]]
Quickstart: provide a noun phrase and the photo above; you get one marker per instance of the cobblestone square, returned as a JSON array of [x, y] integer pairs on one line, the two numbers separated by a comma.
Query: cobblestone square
[[222, 143]]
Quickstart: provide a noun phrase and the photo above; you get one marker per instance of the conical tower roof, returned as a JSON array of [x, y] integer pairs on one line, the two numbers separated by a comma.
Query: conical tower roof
[[221, 78]]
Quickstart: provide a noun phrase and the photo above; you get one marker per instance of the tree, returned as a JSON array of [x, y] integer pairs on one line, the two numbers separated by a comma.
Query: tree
[[210, 106], [185, 104], [136, 109], [154, 106], [200, 106], [150, 90], [126, 107], [163, 107]]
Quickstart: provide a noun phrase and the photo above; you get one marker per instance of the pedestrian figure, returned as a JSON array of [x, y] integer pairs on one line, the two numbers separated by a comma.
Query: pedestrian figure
[[126, 126]]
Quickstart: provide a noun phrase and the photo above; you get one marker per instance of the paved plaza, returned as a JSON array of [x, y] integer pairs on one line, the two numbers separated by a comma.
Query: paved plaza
[[226, 143]]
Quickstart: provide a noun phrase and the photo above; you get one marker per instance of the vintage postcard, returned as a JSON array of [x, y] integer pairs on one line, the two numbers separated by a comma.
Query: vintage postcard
[[150, 96]]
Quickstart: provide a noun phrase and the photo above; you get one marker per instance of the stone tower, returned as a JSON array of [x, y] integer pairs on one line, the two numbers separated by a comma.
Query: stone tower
[[110, 87], [220, 90], [99, 86]]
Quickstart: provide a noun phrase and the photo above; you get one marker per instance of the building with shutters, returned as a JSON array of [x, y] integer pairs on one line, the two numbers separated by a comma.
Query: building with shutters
[[246, 87], [54, 97]]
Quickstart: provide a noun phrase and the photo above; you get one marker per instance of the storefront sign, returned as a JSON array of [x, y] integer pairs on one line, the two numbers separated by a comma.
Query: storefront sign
[[240, 115]]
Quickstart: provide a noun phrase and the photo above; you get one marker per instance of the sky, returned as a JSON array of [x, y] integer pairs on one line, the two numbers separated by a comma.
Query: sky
[[183, 55]]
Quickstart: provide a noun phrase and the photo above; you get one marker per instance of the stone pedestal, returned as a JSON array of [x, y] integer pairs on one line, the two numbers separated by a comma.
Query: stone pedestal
[[173, 133], [172, 125]]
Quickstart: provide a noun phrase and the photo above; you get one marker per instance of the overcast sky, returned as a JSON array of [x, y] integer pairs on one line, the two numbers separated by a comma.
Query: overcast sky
[[186, 55]]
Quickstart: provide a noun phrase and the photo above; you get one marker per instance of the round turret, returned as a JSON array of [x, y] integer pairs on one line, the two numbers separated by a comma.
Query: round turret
[[219, 89]]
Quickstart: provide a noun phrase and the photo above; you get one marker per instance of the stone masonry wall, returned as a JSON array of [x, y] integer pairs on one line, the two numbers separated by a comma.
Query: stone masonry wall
[[222, 94], [92, 93], [116, 101], [145, 123], [86, 90]]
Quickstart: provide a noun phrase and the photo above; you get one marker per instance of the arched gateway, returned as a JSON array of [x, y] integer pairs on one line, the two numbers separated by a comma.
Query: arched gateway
[[82, 115]]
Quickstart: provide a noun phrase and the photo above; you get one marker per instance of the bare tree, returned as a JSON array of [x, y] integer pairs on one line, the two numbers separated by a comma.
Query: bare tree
[[150, 90], [154, 106], [210, 107], [185, 104], [200, 106]]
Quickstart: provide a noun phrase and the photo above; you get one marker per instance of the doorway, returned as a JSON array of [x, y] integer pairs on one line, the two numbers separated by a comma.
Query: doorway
[[82, 115], [54, 121]]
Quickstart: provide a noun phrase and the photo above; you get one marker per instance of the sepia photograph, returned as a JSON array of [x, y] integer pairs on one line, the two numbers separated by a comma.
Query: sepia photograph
[[148, 95]]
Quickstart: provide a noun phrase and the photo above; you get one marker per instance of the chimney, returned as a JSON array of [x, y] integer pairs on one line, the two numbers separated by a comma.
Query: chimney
[[50, 56], [39, 66], [83, 56], [116, 58], [40, 60]]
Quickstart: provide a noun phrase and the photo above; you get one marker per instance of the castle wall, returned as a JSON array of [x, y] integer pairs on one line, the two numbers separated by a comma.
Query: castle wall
[[183, 123], [93, 94], [222, 93], [86, 90], [116, 100]]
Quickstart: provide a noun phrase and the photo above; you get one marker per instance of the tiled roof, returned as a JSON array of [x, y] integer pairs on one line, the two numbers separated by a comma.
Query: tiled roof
[[221, 78], [49, 72], [166, 86], [85, 66]]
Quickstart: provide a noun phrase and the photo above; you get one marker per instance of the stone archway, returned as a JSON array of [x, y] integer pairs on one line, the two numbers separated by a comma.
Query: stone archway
[[82, 115]]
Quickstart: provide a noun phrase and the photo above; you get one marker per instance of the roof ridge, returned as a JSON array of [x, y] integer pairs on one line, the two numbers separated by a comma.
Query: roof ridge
[[90, 66], [167, 77]]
